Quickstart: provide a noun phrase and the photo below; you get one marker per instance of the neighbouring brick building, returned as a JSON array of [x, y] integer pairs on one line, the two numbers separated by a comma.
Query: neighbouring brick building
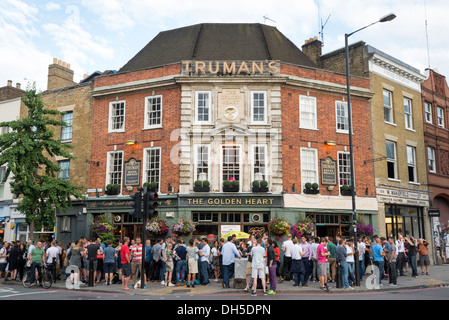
[[397, 135], [225, 102], [435, 102]]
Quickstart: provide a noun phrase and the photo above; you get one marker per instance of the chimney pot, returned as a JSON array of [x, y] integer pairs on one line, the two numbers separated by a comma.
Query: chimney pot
[[18, 85], [55, 60], [68, 65], [9, 83], [59, 62]]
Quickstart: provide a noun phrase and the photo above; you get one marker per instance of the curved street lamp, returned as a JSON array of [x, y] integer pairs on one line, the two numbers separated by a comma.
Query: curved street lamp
[[386, 18]]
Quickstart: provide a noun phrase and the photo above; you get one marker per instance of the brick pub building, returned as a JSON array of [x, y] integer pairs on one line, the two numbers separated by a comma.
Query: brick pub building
[[223, 103]]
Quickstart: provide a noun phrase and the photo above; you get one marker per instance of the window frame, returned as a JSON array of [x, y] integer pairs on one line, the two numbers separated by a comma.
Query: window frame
[[393, 160], [240, 148], [197, 93], [196, 160], [408, 116], [146, 169], [440, 123], [345, 108], [428, 112], [108, 166], [316, 164], [314, 107], [147, 112], [391, 107], [253, 160], [348, 154], [429, 159], [64, 128], [60, 172], [413, 164], [111, 122], [265, 107]]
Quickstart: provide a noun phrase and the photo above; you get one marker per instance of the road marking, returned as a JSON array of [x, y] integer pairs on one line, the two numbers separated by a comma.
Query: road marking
[[27, 293]]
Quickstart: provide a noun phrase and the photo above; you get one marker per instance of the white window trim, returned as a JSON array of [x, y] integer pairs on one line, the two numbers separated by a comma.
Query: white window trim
[[336, 120], [316, 163], [265, 97], [144, 167], [110, 116], [442, 118], [195, 161], [395, 162], [240, 165], [146, 126], [391, 107], [62, 128], [301, 125], [415, 173], [411, 114], [107, 167], [252, 159], [434, 160], [338, 169], [430, 112], [196, 121]]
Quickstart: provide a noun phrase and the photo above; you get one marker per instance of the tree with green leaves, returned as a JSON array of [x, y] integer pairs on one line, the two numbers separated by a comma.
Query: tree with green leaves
[[28, 149]]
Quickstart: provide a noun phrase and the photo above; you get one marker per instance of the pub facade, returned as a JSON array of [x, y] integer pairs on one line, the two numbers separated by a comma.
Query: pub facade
[[230, 122]]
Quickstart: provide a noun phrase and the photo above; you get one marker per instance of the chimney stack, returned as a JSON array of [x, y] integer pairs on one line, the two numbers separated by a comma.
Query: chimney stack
[[59, 75], [9, 83], [18, 85], [312, 49]]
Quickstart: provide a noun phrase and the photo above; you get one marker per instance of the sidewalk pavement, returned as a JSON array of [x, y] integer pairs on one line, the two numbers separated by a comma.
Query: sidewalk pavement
[[438, 277]]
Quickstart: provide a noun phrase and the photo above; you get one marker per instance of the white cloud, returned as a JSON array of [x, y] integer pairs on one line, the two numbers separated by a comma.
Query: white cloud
[[50, 6]]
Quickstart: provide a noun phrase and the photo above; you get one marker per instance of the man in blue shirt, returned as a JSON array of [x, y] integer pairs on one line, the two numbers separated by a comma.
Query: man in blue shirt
[[378, 257], [229, 252], [148, 259], [181, 255]]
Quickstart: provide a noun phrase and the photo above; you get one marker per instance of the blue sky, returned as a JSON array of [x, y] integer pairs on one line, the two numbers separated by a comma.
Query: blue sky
[[104, 34]]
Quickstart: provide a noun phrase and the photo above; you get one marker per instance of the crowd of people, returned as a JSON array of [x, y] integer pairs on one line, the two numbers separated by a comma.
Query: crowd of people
[[171, 262]]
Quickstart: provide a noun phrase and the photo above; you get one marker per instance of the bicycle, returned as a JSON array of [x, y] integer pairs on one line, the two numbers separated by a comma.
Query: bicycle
[[47, 278]]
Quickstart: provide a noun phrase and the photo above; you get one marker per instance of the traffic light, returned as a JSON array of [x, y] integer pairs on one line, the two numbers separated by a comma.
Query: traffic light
[[150, 203], [137, 205]]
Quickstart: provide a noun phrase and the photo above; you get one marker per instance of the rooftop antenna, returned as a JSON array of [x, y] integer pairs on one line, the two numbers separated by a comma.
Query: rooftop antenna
[[265, 18], [427, 35], [321, 33]]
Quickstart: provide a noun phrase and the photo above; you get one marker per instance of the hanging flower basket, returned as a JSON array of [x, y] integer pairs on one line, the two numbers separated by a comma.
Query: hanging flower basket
[[305, 227], [279, 226], [102, 228], [182, 227], [156, 227]]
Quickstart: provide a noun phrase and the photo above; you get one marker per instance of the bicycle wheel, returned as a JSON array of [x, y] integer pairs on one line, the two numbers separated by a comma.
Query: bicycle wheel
[[26, 279], [47, 280]]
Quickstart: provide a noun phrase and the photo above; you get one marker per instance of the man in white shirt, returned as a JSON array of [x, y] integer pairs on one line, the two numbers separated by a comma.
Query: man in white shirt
[[204, 253], [401, 255], [297, 267], [361, 246], [287, 258], [52, 255], [258, 266]]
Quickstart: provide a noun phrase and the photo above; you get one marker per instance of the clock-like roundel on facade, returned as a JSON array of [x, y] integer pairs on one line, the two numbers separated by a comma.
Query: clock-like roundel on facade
[[231, 113]]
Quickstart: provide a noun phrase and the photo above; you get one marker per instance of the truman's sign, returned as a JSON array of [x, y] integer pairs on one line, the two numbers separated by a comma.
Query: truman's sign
[[220, 68]]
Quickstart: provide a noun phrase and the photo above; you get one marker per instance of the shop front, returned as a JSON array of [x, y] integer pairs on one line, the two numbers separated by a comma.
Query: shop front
[[403, 212]]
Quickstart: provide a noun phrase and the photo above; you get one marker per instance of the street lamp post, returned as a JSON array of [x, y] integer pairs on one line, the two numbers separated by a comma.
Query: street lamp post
[[386, 18]]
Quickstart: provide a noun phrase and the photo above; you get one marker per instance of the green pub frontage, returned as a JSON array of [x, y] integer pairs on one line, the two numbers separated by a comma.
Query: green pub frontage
[[211, 214]]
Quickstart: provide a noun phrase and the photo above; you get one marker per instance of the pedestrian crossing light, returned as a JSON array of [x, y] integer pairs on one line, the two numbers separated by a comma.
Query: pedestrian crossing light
[[137, 205]]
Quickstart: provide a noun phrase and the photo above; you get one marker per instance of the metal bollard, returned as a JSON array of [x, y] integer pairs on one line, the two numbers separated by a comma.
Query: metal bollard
[[338, 274], [91, 273]]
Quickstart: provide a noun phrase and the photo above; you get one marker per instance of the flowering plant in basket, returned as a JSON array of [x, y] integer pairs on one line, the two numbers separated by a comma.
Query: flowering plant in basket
[[304, 227], [157, 226], [363, 228], [182, 227], [102, 228], [279, 226]]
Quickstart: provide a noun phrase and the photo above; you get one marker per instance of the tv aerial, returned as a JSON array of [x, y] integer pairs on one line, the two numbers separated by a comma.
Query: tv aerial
[[265, 18], [322, 25]]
